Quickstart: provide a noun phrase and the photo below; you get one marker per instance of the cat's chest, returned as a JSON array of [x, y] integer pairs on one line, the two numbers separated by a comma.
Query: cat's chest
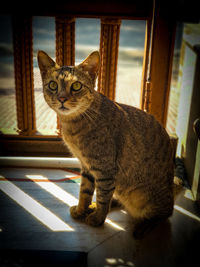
[[75, 137]]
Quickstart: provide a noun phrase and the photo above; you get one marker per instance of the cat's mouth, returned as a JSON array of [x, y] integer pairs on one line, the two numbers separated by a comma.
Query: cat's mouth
[[63, 108]]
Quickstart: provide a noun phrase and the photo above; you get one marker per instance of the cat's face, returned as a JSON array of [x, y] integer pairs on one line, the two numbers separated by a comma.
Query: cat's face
[[68, 90]]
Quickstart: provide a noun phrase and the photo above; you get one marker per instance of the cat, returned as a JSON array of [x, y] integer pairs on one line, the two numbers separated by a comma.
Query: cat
[[124, 152]]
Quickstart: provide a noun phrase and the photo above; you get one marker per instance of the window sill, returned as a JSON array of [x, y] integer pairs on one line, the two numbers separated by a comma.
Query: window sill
[[40, 162]]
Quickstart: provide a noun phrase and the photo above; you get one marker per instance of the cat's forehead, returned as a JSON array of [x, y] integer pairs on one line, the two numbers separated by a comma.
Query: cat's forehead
[[65, 72], [66, 69], [70, 73]]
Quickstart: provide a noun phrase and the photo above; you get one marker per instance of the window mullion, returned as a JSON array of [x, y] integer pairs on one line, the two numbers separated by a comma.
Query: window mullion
[[23, 61], [109, 43], [65, 41], [161, 55], [65, 44], [145, 96]]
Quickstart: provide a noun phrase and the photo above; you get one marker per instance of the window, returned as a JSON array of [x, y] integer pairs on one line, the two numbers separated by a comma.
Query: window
[[175, 83], [130, 62], [123, 42], [87, 34], [43, 39], [8, 121], [187, 35]]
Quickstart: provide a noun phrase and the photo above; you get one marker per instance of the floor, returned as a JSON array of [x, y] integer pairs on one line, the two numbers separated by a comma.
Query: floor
[[34, 214]]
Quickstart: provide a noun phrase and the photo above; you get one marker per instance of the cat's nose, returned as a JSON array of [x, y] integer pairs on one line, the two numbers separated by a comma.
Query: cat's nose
[[62, 99]]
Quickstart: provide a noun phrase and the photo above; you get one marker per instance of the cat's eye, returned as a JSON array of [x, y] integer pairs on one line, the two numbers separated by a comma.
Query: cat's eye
[[53, 85], [76, 86]]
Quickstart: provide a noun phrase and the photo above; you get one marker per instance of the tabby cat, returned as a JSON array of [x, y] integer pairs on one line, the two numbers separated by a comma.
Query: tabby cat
[[124, 152]]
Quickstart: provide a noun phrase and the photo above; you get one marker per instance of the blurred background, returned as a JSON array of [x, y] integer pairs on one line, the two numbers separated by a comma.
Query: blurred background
[[87, 39]]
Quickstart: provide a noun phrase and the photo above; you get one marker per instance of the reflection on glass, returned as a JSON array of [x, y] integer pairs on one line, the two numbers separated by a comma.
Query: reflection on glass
[[8, 121], [87, 37], [43, 39], [130, 61]]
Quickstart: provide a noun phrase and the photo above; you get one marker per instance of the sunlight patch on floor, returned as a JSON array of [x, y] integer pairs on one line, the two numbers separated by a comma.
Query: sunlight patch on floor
[[56, 191], [40, 212], [34, 208], [186, 212], [114, 225], [119, 262], [36, 176], [123, 211], [65, 197], [188, 194]]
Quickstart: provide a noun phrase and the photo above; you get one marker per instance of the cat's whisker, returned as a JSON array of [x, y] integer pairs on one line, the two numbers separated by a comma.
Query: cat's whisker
[[89, 116], [93, 114]]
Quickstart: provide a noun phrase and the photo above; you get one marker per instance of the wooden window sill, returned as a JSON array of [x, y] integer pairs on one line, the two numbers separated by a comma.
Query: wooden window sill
[[39, 162]]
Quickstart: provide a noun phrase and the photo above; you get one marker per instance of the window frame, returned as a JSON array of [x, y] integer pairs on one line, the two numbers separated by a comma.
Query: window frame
[[155, 84]]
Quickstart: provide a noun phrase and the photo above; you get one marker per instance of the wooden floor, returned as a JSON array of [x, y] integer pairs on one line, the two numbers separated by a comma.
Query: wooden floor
[[35, 215]]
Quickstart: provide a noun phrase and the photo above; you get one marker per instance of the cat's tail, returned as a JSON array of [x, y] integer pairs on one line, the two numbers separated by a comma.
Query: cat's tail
[[179, 177]]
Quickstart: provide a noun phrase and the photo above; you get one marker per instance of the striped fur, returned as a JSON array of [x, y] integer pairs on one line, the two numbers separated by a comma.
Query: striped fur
[[124, 152]]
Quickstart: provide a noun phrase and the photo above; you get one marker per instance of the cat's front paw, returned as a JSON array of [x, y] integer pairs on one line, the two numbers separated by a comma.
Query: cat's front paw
[[81, 215], [77, 215], [94, 219]]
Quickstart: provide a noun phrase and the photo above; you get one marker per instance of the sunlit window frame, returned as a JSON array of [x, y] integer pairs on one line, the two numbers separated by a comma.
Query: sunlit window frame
[[154, 86]]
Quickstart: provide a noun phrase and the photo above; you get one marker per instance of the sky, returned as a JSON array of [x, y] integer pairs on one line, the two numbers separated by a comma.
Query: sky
[[87, 34]]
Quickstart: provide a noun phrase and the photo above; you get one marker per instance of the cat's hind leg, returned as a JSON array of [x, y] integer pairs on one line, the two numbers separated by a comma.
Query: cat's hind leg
[[157, 213], [146, 213], [144, 226], [115, 203]]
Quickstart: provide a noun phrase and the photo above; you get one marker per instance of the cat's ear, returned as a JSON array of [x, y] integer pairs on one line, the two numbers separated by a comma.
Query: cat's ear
[[91, 64], [44, 61]]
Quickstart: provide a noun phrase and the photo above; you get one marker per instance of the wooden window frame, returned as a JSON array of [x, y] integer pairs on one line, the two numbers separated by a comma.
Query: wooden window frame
[[157, 65]]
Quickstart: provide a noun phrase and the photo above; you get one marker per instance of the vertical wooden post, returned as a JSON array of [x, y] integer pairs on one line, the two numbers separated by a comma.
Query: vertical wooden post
[[65, 41], [23, 62], [147, 96], [161, 55], [65, 44], [109, 43], [145, 85]]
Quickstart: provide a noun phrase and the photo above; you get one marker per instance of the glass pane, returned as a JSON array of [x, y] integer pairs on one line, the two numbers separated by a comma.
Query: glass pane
[[175, 83], [130, 61], [87, 38], [8, 121], [187, 36], [43, 39]]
